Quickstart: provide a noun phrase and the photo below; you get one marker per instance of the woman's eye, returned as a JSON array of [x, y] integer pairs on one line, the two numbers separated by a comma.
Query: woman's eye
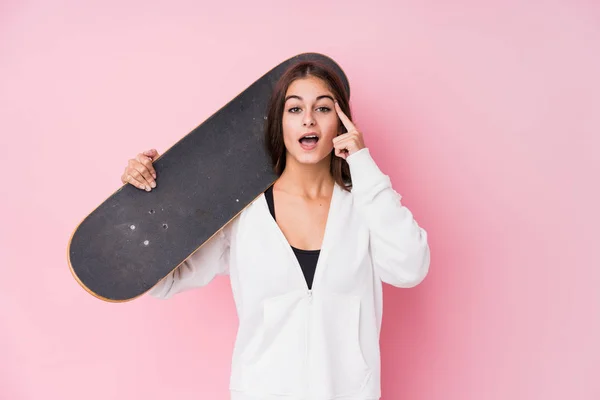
[[298, 109]]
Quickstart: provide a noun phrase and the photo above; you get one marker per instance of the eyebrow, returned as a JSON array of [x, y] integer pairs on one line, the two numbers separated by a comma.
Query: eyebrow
[[293, 96]]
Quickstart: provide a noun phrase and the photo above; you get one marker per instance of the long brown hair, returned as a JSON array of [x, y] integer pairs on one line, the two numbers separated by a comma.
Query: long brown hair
[[274, 127]]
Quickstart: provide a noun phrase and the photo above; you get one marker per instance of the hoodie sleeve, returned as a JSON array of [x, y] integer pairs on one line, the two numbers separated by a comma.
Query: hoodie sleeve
[[399, 248], [210, 260]]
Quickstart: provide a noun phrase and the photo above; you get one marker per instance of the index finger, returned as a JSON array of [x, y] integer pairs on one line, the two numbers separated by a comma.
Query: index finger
[[345, 120]]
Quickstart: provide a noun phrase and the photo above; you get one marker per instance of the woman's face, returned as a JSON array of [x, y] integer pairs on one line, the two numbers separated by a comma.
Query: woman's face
[[310, 122]]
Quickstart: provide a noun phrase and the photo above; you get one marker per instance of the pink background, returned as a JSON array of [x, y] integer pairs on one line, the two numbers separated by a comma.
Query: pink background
[[485, 114]]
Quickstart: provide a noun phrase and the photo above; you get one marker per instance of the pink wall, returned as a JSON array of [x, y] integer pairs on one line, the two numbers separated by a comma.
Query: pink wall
[[486, 116]]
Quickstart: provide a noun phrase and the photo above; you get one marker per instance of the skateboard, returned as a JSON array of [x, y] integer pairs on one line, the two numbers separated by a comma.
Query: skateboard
[[134, 239]]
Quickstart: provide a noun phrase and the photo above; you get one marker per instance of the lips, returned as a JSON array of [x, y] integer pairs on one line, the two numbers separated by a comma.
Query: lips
[[310, 136], [308, 141]]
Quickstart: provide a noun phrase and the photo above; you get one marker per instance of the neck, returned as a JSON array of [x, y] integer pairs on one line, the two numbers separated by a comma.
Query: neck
[[306, 180]]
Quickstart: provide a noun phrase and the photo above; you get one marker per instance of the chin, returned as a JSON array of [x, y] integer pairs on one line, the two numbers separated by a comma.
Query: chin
[[310, 158]]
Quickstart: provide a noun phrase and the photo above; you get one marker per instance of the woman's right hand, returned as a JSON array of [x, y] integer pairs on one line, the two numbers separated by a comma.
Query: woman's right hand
[[140, 172]]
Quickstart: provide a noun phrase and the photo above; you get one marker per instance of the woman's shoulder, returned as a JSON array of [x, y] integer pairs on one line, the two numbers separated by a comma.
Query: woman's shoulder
[[251, 209]]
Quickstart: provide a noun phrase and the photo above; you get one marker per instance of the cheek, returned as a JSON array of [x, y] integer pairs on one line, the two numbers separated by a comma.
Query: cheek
[[287, 128], [330, 127]]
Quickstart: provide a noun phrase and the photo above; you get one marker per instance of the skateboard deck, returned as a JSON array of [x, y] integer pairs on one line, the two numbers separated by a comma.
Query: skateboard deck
[[134, 239]]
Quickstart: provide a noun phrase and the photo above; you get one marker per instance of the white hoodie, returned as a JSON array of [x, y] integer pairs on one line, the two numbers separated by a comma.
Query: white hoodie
[[299, 344]]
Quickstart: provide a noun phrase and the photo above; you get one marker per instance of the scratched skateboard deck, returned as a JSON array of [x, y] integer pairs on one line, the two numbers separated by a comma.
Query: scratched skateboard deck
[[135, 238]]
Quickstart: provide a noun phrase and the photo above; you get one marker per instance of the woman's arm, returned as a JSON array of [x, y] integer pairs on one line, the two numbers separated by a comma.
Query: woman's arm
[[210, 260], [399, 247]]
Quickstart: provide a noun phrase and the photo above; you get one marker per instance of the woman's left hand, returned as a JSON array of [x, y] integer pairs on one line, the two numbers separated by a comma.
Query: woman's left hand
[[347, 143]]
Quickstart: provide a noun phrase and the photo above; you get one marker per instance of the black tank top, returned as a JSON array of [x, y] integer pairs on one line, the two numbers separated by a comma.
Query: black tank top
[[306, 258]]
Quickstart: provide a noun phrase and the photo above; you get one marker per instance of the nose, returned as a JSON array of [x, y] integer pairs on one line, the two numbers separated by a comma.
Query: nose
[[308, 119]]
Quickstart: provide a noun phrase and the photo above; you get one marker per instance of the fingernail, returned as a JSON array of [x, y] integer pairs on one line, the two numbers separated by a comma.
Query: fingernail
[[153, 184], [147, 188], [154, 175]]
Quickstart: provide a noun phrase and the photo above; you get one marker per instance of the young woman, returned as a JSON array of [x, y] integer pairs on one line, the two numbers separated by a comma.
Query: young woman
[[308, 258]]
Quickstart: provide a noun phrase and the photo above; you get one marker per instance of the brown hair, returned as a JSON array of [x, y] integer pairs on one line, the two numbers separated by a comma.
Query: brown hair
[[274, 129]]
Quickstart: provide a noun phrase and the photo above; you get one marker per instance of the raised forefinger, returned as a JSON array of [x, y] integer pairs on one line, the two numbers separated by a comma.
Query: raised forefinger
[[345, 120]]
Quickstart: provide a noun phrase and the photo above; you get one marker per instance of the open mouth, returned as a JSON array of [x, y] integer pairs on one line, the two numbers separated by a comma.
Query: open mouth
[[309, 140]]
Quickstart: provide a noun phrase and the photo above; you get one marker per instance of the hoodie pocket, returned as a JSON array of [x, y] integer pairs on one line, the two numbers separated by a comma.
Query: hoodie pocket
[[307, 346], [336, 357], [275, 363]]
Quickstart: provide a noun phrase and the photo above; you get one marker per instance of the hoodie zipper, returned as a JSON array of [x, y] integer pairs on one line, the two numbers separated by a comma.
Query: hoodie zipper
[[307, 355], [309, 291]]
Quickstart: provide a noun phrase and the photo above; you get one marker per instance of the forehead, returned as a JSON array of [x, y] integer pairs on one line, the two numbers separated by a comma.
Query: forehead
[[308, 87]]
